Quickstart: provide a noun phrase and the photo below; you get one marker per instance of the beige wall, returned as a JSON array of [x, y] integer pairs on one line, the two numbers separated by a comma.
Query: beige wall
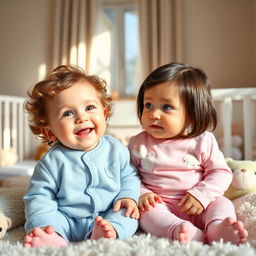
[[24, 43], [219, 36], [254, 41]]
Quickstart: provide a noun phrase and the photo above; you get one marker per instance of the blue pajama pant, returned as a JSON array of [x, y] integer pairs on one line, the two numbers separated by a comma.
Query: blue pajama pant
[[76, 230]]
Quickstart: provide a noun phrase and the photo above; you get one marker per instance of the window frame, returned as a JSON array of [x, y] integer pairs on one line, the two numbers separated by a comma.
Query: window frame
[[120, 6]]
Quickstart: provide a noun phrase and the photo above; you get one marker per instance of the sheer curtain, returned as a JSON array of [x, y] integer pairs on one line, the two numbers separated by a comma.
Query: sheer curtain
[[75, 25], [160, 33]]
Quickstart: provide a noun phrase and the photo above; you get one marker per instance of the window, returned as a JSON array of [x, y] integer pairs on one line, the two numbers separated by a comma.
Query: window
[[119, 24]]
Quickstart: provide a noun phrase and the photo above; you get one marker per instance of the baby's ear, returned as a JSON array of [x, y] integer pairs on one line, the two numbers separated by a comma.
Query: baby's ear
[[106, 112], [48, 134]]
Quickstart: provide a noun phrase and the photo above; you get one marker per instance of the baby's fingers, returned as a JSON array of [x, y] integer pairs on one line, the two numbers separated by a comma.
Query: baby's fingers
[[158, 199], [117, 206], [129, 211], [183, 200], [144, 205], [135, 213], [152, 201]]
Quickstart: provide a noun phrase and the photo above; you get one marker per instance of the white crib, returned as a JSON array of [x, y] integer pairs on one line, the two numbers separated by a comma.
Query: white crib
[[227, 99], [14, 130], [232, 104], [15, 133]]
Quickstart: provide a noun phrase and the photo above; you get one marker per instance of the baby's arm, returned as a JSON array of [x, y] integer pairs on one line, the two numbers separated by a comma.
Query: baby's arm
[[217, 175], [149, 199], [40, 203], [130, 205], [190, 205], [130, 184]]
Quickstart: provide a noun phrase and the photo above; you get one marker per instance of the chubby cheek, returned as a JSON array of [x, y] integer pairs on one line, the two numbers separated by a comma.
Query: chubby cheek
[[101, 128], [144, 120], [64, 129]]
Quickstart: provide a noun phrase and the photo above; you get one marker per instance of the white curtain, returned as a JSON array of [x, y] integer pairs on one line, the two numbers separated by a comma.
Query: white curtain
[[75, 24], [160, 33]]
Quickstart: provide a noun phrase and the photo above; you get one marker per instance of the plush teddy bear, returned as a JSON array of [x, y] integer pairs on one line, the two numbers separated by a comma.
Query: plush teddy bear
[[8, 157], [11, 204], [5, 224], [42, 150], [244, 178]]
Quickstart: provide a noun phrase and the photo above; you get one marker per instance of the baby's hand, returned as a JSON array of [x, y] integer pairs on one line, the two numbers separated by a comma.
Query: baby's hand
[[130, 205], [190, 205], [149, 199]]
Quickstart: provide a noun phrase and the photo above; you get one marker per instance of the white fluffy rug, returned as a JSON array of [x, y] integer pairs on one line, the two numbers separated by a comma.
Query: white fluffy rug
[[138, 245]]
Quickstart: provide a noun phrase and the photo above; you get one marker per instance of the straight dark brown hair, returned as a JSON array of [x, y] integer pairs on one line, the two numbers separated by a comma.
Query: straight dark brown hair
[[194, 90]]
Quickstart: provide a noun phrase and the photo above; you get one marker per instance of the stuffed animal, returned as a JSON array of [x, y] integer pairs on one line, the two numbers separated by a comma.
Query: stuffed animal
[[244, 178], [42, 150], [12, 205], [8, 157], [5, 224]]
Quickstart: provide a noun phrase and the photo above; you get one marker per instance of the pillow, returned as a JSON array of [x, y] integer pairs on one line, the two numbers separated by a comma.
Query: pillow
[[246, 212]]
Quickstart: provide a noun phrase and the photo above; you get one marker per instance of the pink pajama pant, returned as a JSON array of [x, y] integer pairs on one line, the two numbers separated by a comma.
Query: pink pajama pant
[[165, 217]]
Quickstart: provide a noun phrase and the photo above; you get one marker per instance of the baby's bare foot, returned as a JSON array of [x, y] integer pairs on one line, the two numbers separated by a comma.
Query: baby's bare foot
[[103, 229], [44, 237], [228, 230], [188, 232]]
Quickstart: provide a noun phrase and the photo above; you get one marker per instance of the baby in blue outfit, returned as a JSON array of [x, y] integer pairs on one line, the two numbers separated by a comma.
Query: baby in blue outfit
[[84, 187]]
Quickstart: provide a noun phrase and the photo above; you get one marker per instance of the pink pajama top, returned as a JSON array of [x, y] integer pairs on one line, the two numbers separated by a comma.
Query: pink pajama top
[[170, 168]]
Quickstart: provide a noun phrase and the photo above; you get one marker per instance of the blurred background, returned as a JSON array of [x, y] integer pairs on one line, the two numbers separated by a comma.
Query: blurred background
[[124, 40]]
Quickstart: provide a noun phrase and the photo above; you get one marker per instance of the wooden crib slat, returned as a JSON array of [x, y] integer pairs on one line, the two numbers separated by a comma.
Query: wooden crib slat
[[7, 128], [1, 121], [27, 136], [14, 125], [226, 114], [21, 132], [248, 126]]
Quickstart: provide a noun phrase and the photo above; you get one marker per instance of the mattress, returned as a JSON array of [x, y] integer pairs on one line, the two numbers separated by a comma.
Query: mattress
[[23, 168]]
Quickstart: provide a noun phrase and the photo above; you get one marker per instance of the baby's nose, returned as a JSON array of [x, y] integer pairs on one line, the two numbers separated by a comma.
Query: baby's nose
[[156, 114], [81, 118]]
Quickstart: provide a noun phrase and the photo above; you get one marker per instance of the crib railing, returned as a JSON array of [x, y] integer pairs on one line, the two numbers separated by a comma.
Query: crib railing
[[14, 130], [227, 98], [124, 122]]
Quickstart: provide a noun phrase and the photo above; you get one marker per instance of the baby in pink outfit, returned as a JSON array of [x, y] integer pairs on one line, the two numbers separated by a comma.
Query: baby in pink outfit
[[183, 173]]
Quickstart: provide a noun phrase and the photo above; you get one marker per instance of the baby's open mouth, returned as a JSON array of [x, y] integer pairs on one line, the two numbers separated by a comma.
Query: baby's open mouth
[[154, 126], [84, 131]]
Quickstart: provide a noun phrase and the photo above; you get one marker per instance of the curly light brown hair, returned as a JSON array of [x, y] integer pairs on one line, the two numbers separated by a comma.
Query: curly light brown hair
[[59, 79]]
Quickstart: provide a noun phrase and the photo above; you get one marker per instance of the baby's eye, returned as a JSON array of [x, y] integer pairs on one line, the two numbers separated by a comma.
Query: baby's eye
[[68, 113], [90, 107], [148, 105], [167, 107]]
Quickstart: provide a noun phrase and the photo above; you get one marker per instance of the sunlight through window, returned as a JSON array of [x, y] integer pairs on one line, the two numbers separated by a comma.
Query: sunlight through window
[[118, 58]]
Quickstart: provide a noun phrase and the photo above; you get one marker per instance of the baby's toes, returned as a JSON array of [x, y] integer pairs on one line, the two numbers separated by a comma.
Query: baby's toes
[[243, 233], [38, 232], [27, 239]]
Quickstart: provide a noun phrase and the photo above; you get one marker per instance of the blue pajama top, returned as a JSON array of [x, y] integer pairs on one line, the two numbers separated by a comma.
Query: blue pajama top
[[79, 184]]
